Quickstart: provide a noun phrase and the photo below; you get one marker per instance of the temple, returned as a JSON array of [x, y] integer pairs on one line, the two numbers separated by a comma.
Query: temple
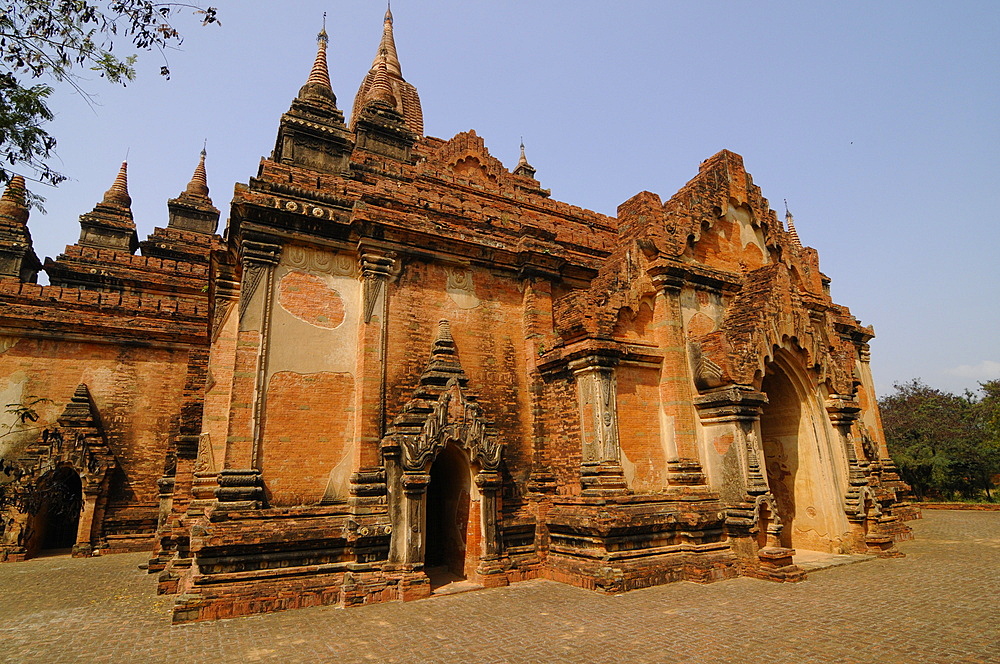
[[405, 364]]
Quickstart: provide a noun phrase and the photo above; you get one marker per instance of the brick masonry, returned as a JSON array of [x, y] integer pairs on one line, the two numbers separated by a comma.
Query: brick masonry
[[405, 361]]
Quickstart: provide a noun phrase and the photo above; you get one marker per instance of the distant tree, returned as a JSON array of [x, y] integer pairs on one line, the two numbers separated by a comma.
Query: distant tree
[[943, 444], [985, 462], [48, 41]]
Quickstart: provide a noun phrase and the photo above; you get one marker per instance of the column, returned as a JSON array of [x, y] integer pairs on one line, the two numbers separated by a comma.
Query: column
[[239, 480], [601, 470]]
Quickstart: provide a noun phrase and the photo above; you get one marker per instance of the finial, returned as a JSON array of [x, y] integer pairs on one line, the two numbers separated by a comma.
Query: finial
[[322, 37], [791, 226], [204, 147], [523, 160], [12, 203], [388, 11], [118, 193]]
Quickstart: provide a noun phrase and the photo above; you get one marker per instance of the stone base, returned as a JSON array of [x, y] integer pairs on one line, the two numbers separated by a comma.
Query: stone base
[[774, 564], [882, 545], [622, 543]]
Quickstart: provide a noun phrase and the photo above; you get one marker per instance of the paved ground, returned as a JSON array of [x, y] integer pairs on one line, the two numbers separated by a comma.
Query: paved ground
[[939, 604]]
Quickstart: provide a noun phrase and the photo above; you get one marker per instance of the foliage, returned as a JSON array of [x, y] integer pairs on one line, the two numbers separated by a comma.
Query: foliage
[[16, 489], [943, 444], [51, 40]]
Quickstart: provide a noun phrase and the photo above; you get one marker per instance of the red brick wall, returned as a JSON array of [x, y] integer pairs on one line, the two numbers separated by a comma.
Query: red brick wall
[[138, 393], [639, 425], [308, 424], [490, 342]]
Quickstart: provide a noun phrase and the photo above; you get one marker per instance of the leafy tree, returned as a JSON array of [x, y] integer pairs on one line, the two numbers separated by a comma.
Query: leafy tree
[[23, 418], [943, 444], [47, 41]]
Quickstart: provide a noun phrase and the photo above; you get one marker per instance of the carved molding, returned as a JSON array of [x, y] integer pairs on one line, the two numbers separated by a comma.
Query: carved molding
[[456, 419]]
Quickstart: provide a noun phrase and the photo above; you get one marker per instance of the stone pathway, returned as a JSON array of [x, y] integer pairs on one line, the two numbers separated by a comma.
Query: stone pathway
[[941, 603]]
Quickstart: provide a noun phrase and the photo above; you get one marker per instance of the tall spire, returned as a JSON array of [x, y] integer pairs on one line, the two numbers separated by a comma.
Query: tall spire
[[381, 89], [118, 193], [790, 221], [318, 83], [387, 47], [192, 210], [405, 99], [109, 225], [320, 74]]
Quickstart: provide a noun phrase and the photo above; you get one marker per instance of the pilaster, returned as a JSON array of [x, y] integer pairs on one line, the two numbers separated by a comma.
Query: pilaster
[[601, 470]]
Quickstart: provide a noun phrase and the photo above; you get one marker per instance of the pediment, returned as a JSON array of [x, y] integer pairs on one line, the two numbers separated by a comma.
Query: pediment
[[465, 155]]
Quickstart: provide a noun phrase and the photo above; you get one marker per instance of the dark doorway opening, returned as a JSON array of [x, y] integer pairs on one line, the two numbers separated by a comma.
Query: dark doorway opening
[[448, 503], [779, 428], [60, 496]]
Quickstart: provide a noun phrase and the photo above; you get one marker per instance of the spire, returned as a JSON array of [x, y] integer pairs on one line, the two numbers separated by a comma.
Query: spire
[[790, 221], [198, 186], [318, 83], [320, 74], [12, 204], [192, 210], [118, 193], [405, 99], [523, 167], [17, 257], [387, 47]]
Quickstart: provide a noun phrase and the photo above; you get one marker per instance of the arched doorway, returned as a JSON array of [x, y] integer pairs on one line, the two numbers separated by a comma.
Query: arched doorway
[[448, 506], [57, 520], [800, 461], [779, 428]]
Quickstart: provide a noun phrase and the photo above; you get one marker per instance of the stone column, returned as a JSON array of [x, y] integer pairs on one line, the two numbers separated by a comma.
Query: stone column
[[85, 529], [677, 383], [414, 513], [843, 411], [489, 483], [367, 483], [601, 470], [239, 480], [733, 415]]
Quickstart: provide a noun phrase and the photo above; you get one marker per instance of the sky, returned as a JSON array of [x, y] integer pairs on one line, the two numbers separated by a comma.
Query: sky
[[878, 122]]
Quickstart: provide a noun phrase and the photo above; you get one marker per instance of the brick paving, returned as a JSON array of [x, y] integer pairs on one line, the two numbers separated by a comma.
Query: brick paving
[[941, 603]]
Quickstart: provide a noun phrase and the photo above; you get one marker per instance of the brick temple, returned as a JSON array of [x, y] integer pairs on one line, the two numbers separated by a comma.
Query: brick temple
[[404, 366]]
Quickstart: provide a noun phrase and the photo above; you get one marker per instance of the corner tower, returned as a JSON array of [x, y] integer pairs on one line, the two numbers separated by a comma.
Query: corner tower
[[17, 257], [312, 134], [402, 95]]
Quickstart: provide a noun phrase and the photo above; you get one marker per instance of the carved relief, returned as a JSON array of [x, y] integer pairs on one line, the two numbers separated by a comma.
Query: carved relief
[[460, 287], [318, 260], [6, 343], [455, 419], [252, 274]]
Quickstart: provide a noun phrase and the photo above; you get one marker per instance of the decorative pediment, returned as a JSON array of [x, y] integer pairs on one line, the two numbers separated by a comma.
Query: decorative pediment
[[78, 442], [442, 411], [768, 314], [466, 156]]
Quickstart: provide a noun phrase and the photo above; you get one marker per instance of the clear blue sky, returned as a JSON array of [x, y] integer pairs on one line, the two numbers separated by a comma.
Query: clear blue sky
[[877, 121]]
